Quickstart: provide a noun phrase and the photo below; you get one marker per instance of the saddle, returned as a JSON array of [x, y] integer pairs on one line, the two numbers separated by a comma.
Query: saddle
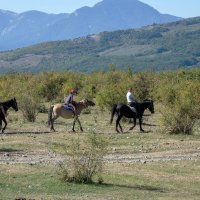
[[133, 109], [69, 107]]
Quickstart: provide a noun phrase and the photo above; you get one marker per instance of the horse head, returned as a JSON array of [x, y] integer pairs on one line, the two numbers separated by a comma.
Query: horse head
[[87, 102], [150, 105], [14, 104]]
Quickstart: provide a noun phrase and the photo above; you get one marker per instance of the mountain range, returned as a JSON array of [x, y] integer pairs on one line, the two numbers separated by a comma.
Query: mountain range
[[23, 29], [155, 47]]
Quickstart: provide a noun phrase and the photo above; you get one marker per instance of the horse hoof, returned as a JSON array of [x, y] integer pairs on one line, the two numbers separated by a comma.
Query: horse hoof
[[142, 130]]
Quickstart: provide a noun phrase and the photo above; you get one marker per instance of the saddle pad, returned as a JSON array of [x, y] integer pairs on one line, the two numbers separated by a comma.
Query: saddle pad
[[68, 107]]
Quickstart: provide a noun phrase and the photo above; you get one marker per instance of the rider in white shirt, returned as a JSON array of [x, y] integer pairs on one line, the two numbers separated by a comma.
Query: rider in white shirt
[[131, 101]]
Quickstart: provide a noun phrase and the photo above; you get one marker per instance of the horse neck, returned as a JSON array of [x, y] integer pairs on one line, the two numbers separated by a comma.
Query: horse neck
[[80, 106], [145, 105], [6, 105]]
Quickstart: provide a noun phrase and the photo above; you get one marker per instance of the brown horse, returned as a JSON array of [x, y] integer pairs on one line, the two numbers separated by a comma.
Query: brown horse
[[58, 110]]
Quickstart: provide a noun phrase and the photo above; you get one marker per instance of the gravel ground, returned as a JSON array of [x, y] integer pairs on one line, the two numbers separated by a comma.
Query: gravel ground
[[52, 158]]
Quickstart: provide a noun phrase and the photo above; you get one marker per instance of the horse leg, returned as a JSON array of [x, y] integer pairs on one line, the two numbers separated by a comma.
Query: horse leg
[[74, 122], [0, 124], [133, 124], [120, 127], [5, 122], [140, 122], [117, 123], [52, 127], [80, 124], [51, 118], [52, 123]]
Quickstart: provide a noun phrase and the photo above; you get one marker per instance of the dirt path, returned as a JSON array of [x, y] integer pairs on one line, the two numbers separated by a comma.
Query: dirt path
[[52, 158], [154, 157]]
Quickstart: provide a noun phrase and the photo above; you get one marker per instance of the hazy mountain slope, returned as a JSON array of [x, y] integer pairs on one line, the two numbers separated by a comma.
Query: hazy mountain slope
[[28, 28], [24, 29], [158, 47]]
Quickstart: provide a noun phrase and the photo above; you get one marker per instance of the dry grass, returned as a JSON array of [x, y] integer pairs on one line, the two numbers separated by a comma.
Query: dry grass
[[162, 179]]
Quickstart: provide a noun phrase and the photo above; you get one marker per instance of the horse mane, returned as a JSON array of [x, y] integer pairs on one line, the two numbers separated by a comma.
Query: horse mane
[[4, 102], [147, 100], [82, 101], [87, 102]]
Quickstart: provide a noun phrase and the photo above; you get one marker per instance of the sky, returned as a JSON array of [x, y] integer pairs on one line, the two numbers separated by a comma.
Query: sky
[[181, 8]]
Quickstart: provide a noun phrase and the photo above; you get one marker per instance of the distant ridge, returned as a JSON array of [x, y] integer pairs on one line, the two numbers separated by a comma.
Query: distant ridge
[[32, 27], [156, 47]]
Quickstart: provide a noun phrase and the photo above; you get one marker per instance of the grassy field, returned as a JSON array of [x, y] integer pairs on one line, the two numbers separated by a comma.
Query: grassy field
[[29, 154]]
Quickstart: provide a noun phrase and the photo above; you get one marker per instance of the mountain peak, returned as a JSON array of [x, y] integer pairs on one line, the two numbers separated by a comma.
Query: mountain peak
[[107, 15]]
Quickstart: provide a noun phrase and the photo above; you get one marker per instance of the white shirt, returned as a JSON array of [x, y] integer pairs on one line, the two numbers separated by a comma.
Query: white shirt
[[130, 98]]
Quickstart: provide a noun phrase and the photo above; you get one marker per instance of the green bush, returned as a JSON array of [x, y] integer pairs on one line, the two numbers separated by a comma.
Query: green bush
[[49, 85], [179, 120], [28, 105], [181, 107], [142, 86], [42, 108], [109, 95], [85, 160]]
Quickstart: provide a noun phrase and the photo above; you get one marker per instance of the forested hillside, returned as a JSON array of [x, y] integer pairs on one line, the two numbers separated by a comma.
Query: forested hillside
[[156, 47]]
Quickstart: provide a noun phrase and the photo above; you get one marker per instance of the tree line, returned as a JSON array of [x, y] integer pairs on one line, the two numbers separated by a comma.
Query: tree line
[[178, 92]]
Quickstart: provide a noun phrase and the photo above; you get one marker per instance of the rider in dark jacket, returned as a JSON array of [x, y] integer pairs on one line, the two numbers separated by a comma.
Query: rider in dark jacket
[[69, 100]]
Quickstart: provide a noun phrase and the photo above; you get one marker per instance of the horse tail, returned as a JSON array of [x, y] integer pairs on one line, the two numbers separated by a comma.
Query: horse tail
[[50, 115], [113, 111]]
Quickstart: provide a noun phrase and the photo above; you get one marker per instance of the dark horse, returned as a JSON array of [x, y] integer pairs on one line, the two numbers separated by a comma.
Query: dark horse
[[124, 110], [6, 105]]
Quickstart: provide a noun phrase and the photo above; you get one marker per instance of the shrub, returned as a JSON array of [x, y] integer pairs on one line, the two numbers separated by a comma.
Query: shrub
[[179, 119], [50, 86], [109, 95], [85, 160], [181, 107], [42, 108], [28, 106], [142, 86]]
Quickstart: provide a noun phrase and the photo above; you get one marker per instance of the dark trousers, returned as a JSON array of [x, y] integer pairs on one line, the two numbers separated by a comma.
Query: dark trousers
[[132, 104]]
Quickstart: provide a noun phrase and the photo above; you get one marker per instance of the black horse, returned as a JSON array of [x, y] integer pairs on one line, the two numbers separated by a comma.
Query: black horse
[[6, 105], [126, 111]]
